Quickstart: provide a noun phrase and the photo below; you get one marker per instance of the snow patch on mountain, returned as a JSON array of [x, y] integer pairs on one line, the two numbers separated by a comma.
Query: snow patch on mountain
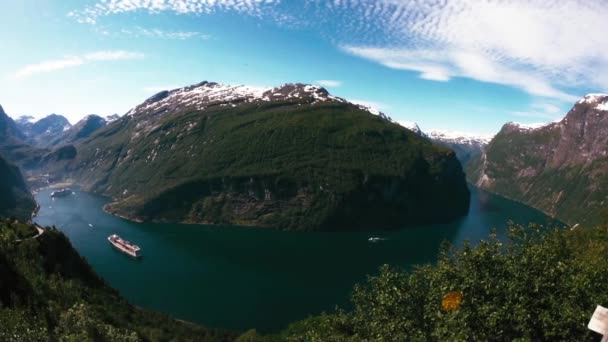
[[412, 126], [460, 137], [206, 94], [600, 101], [529, 126]]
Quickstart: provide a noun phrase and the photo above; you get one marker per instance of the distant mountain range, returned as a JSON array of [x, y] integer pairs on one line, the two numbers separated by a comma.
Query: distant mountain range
[[41, 132], [466, 145], [292, 157], [55, 130], [560, 168]]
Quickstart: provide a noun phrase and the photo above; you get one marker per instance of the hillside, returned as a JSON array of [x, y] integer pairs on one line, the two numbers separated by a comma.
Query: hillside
[[15, 198], [13, 145], [559, 168], [291, 157], [80, 131], [49, 293]]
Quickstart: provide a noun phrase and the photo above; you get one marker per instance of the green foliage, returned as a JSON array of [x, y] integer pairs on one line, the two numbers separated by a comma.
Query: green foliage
[[15, 198], [537, 286], [49, 292]]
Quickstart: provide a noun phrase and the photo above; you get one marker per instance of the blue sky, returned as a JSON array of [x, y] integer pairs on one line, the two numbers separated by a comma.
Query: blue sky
[[466, 65]]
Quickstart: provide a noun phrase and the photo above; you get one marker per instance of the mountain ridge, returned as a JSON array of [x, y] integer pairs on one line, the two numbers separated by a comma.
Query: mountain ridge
[[292, 157]]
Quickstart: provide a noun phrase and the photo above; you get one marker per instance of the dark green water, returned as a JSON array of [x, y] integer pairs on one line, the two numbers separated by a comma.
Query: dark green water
[[241, 278]]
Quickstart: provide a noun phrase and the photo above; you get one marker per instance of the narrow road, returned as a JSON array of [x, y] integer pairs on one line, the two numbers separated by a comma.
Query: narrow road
[[40, 232]]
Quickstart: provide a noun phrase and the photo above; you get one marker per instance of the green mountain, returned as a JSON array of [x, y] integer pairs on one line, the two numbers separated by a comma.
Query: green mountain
[[49, 293], [15, 198], [560, 168], [292, 157]]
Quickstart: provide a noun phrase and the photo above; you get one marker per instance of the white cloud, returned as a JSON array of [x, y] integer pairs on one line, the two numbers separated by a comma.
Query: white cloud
[[91, 14], [163, 34], [329, 83], [543, 47], [544, 111], [48, 66], [73, 61]]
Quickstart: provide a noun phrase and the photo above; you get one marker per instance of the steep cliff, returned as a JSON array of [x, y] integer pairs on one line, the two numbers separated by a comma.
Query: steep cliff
[[559, 168]]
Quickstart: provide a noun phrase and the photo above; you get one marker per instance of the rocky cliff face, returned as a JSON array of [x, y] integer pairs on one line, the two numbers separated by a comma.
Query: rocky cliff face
[[559, 168], [291, 157]]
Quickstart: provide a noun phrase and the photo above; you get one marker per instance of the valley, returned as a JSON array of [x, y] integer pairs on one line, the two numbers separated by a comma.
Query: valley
[[253, 278]]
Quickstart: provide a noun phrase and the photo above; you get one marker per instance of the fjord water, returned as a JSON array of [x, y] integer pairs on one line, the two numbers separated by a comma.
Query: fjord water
[[241, 278]]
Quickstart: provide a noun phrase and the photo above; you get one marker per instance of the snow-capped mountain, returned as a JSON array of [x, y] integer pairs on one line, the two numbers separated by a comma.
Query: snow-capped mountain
[[466, 145], [456, 137], [208, 94], [412, 126]]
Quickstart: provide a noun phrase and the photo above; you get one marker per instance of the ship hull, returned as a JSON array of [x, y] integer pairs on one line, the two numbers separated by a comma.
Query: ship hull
[[124, 250]]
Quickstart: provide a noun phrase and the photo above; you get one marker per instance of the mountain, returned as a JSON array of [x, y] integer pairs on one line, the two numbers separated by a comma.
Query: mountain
[[15, 198], [412, 126], [40, 133], [112, 117], [560, 168], [81, 130], [13, 145], [467, 146], [290, 157], [48, 292]]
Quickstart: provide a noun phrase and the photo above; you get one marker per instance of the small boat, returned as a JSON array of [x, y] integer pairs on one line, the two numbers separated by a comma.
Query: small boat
[[375, 239], [61, 193], [125, 246]]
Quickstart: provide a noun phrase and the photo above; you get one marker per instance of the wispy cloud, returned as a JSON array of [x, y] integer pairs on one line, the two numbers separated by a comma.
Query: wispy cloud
[[543, 47], [543, 111], [164, 34], [538, 46], [107, 7], [74, 61], [329, 83]]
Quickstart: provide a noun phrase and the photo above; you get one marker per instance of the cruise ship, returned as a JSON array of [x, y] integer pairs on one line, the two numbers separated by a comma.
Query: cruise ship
[[61, 193], [124, 246]]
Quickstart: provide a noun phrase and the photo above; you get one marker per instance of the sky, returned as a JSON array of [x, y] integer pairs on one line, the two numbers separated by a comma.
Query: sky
[[457, 65]]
